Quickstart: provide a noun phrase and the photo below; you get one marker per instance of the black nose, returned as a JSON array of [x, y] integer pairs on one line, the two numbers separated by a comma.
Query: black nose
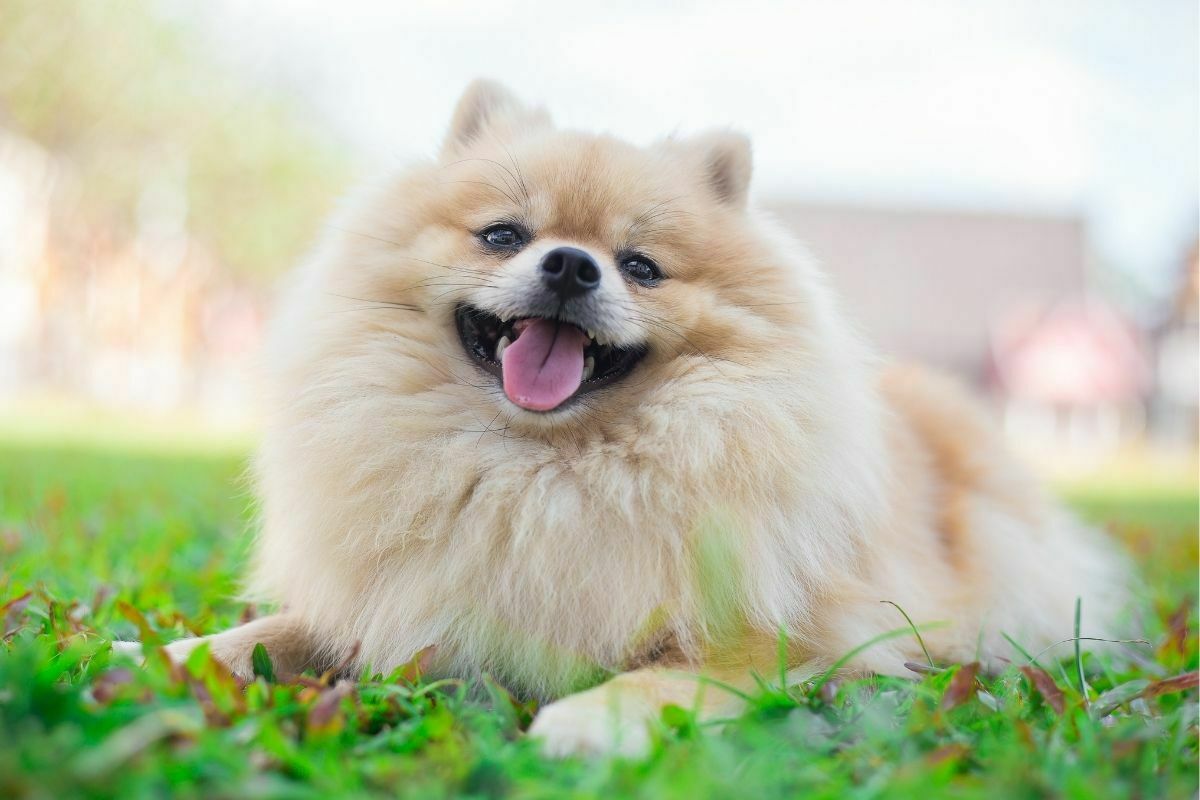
[[570, 272]]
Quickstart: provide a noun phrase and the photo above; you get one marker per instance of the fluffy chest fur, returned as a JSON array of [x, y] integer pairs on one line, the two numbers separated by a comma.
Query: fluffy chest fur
[[545, 561]]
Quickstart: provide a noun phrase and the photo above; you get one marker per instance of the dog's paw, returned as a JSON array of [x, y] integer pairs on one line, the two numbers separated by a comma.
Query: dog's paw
[[179, 650], [585, 725], [236, 660]]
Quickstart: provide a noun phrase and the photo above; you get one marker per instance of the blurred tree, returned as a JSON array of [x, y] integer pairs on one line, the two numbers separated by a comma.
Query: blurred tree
[[129, 97]]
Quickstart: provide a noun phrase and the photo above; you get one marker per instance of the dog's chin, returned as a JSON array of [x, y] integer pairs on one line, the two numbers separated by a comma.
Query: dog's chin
[[485, 336]]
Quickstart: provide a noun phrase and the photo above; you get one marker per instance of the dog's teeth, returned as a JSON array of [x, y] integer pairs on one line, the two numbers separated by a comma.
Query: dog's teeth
[[589, 365], [591, 334], [500, 346]]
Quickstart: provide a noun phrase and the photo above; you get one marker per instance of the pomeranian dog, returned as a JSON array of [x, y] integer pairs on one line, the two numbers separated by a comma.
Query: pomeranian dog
[[566, 412]]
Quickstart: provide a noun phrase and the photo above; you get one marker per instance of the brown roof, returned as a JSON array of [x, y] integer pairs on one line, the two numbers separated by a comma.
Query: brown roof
[[930, 284]]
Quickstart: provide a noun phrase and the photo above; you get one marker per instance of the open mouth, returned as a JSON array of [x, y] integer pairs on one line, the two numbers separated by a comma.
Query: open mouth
[[542, 363]]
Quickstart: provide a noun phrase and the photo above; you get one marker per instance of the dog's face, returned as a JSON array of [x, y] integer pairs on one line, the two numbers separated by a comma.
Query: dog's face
[[568, 275]]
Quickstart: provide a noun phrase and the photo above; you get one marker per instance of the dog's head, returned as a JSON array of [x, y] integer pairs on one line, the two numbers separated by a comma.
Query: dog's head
[[567, 276]]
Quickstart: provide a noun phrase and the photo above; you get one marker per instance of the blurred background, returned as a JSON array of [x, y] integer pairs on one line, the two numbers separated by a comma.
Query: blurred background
[[1007, 189]]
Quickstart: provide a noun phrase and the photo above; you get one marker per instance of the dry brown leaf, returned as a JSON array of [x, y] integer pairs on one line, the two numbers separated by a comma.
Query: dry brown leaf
[[342, 669], [962, 686], [419, 664], [1176, 683], [1046, 686], [104, 688], [1177, 628], [324, 713], [13, 611], [947, 752], [130, 613]]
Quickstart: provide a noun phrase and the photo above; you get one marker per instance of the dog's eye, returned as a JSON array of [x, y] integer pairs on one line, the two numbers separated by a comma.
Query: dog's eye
[[642, 270], [502, 237]]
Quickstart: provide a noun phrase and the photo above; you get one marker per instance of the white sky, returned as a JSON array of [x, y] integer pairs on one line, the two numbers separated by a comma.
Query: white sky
[[1069, 106]]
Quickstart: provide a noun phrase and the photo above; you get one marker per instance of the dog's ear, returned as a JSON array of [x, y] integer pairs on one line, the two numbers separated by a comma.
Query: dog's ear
[[724, 155], [487, 107]]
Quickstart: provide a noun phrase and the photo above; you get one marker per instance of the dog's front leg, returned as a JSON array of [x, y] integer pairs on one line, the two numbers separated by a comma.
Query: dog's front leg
[[292, 645], [614, 717]]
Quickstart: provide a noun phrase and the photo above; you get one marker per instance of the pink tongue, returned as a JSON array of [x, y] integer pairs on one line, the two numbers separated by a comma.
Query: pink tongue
[[544, 366]]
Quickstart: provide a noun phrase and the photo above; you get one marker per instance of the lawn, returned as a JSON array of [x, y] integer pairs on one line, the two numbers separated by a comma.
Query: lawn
[[98, 542]]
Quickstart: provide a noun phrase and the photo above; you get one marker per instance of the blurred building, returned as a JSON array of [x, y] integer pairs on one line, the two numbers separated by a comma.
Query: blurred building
[[148, 322], [1001, 301], [1177, 396], [27, 179], [930, 285]]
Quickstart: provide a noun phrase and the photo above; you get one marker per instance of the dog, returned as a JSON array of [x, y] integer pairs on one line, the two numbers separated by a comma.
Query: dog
[[570, 413]]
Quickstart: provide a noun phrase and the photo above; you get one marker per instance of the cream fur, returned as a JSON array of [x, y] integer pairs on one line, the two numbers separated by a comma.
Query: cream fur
[[759, 471]]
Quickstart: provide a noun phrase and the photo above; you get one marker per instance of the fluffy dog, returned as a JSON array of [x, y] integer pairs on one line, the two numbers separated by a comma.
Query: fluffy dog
[[572, 414]]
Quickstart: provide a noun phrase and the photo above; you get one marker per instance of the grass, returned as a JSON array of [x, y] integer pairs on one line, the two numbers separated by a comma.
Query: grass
[[97, 543]]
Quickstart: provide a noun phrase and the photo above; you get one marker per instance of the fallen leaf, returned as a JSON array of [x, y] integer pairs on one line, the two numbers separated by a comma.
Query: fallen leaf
[[1045, 686], [105, 687], [324, 715], [145, 632], [419, 664], [1177, 628], [961, 687], [1176, 683], [947, 752], [13, 611], [346, 662], [307, 682], [342, 669]]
